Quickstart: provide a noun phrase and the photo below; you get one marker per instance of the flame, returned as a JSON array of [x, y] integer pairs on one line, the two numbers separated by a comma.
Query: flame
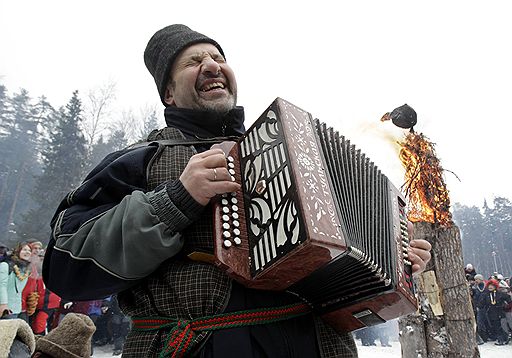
[[424, 184]]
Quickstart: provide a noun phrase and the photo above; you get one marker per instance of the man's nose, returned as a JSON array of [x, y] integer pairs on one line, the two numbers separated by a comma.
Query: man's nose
[[211, 66]]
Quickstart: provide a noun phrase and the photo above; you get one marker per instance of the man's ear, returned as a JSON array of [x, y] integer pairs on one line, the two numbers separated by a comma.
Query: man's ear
[[168, 97]]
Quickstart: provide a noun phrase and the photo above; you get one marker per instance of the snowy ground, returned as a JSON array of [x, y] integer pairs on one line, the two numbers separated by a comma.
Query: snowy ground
[[487, 350]]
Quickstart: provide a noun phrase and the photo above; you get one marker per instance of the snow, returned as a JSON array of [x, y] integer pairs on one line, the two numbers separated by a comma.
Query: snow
[[487, 350]]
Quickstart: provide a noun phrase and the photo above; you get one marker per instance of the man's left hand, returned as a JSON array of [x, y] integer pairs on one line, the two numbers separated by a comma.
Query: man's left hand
[[419, 254]]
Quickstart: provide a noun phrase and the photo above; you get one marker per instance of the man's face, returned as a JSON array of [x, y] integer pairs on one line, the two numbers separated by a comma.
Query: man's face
[[35, 249], [201, 79]]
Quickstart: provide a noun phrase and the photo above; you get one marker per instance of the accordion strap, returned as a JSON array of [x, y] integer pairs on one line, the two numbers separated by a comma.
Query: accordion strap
[[183, 332], [174, 142]]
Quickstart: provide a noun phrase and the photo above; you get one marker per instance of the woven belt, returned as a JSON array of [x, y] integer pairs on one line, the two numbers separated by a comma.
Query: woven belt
[[183, 332]]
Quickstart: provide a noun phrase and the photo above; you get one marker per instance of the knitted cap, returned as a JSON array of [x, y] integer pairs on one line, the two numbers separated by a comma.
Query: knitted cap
[[165, 46], [71, 338]]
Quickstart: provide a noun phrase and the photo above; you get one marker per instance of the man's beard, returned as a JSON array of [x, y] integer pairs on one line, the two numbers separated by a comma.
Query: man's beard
[[221, 106]]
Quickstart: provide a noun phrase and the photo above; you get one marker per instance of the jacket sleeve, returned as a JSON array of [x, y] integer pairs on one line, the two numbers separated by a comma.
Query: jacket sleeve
[[4, 274], [110, 233]]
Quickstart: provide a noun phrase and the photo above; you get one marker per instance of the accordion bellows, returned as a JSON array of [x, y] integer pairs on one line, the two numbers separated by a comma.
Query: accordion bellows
[[315, 217]]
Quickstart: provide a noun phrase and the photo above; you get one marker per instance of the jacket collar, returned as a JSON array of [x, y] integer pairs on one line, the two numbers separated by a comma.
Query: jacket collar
[[203, 124]]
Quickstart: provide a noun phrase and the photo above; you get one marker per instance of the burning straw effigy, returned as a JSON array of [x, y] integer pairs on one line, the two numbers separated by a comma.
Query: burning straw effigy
[[444, 323], [424, 185]]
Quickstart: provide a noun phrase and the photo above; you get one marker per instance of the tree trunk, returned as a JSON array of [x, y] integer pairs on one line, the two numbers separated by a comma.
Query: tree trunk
[[17, 192], [445, 324]]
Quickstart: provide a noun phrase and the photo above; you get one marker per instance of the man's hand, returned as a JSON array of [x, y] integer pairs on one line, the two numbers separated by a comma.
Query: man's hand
[[206, 175], [419, 254]]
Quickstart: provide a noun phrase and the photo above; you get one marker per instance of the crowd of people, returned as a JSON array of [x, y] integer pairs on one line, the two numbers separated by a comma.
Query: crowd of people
[[24, 296], [492, 305]]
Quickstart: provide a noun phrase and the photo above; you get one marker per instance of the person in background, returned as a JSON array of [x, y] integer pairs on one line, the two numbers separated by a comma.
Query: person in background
[[4, 250], [506, 320], [493, 302], [34, 289], [14, 274], [47, 305], [134, 225], [120, 326], [103, 334], [482, 327], [470, 272]]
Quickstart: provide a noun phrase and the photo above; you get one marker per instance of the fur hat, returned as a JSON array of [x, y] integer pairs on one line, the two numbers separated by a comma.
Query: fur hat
[[163, 48], [71, 338], [12, 329], [479, 277]]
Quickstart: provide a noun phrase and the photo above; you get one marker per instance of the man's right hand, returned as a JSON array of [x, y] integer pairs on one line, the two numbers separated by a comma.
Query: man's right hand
[[206, 175]]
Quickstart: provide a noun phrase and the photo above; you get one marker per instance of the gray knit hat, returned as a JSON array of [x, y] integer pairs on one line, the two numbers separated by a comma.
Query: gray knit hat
[[164, 47], [71, 338]]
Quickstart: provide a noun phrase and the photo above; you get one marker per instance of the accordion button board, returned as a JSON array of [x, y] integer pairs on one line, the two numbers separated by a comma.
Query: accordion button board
[[315, 217]]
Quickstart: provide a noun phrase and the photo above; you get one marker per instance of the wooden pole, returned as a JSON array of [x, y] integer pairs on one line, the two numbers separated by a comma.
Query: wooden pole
[[444, 325]]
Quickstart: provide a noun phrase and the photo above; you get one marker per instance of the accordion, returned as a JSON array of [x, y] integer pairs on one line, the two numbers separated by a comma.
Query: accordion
[[315, 217]]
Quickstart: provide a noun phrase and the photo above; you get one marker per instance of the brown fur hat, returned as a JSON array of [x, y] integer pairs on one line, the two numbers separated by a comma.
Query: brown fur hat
[[71, 338]]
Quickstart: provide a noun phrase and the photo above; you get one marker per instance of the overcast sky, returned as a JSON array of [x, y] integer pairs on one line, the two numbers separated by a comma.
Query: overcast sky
[[345, 62]]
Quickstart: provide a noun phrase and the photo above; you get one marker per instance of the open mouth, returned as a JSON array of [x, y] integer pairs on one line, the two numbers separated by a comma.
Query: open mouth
[[212, 86]]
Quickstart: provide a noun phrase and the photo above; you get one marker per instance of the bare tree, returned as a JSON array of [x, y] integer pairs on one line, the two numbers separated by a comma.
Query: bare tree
[[97, 108]]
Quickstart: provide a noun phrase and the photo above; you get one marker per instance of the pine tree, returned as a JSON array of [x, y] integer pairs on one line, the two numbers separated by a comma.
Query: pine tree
[[19, 145], [63, 168], [471, 223], [500, 221], [150, 123]]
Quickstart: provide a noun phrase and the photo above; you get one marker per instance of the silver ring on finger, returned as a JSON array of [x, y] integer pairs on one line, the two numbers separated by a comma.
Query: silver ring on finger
[[214, 174]]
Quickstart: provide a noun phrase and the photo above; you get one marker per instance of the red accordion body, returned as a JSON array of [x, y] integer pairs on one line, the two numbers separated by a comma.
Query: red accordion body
[[317, 218]]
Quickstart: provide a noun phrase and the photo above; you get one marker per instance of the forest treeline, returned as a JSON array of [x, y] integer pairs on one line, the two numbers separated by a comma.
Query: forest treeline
[[45, 152]]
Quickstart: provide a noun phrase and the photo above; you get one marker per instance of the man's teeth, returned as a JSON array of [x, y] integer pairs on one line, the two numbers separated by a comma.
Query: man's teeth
[[212, 86]]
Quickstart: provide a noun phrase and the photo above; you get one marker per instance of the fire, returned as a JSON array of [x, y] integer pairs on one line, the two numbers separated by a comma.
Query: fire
[[424, 184]]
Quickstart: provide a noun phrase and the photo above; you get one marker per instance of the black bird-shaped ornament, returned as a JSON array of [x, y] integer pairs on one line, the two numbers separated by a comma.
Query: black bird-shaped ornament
[[403, 117]]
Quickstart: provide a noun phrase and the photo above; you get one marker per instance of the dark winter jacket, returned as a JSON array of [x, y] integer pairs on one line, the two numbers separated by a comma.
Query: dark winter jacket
[[494, 303], [121, 215]]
